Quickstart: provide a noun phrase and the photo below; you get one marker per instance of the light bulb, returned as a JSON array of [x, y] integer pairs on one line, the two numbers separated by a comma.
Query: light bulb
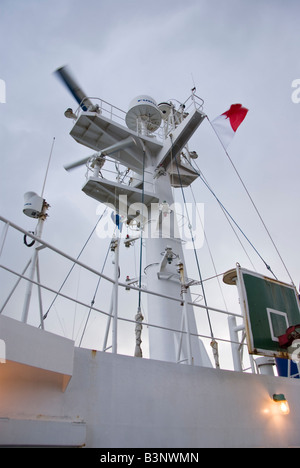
[[284, 407], [281, 403]]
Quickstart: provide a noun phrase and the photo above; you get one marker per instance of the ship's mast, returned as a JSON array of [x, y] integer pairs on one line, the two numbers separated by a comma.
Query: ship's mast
[[158, 164]]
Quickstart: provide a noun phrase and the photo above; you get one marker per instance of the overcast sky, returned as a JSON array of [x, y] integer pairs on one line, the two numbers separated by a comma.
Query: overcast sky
[[233, 51]]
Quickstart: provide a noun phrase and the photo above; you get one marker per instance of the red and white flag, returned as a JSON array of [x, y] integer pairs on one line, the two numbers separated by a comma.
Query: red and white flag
[[227, 124]]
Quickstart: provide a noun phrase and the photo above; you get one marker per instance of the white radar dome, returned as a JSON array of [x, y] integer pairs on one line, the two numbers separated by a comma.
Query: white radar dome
[[143, 110], [33, 205]]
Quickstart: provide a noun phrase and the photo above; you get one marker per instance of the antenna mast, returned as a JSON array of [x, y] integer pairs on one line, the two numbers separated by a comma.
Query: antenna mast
[[151, 156]]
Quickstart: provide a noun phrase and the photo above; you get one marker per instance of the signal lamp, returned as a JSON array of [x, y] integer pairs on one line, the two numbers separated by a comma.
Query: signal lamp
[[282, 403]]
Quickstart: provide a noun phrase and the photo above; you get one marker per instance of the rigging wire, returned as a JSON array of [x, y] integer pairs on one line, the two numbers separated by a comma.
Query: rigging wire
[[253, 203], [141, 243], [94, 297], [47, 169], [119, 175], [72, 267], [228, 220], [233, 220], [193, 241], [209, 250], [139, 316]]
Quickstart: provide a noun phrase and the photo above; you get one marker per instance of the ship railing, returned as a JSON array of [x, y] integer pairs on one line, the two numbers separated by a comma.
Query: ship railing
[[42, 244], [192, 102], [127, 177], [105, 108]]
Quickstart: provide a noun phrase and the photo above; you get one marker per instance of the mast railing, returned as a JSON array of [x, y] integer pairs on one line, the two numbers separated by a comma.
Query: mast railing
[[114, 113], [108, 110], [46, 245]]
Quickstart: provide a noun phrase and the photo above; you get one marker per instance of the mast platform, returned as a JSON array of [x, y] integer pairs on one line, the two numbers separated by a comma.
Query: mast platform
[[97, 132], [122, 197]]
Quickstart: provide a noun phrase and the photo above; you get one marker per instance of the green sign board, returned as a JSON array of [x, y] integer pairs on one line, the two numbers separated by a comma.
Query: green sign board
[[269, 308]]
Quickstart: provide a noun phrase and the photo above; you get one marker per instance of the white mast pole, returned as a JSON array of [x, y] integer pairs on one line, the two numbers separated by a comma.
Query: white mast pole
[[34, 260], [163, 278], [185, 313], [38, 233], [116, 297]]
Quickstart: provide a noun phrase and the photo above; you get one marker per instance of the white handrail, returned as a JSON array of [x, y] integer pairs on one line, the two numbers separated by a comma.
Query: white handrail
[[77, 301], [43, 244], [107, 278]]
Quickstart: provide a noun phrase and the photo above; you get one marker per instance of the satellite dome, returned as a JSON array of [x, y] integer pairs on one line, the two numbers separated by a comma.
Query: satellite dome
[[33, 205], [143, 112]]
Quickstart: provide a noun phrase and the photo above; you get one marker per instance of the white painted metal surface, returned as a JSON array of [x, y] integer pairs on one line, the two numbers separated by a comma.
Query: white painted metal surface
[[163, 344], [169, 406], [38, 349]]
